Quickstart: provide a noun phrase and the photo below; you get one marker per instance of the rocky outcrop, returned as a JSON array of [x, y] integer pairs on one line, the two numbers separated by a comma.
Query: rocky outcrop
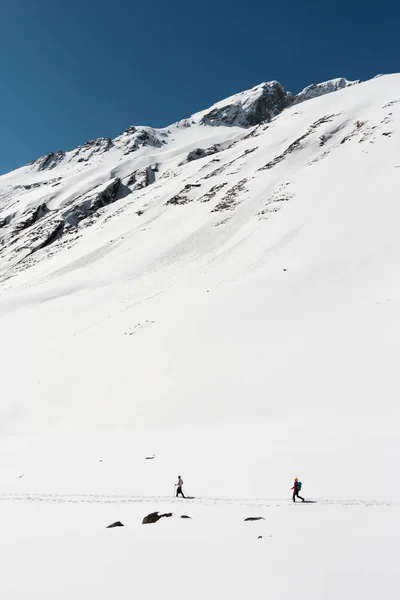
[[195, 155], [178, 199], [246, 109], [142, 178], [54, 235], [6, 220], [90, 204], [230, 199], [154, 517], [201, 153], [296, 145], [264, 102], [134, 138], [255, 519], [320, 89], [212, 192], [116, 524], [43, 227], [39, 212], [49, 161], [98, 146]]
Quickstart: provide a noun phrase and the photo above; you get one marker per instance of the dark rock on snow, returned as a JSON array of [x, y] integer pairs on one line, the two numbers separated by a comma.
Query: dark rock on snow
[[201, 153], [116, 524], [271, 100], [49, 161], [37, 214], [255, 519], [90, 204], [154, 517], [142, 178]]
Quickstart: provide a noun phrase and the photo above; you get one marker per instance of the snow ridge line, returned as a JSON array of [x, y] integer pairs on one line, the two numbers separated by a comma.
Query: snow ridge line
[[121, 499]]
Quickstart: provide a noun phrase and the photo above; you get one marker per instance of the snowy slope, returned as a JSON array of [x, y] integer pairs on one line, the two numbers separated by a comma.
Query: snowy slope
[[224, 295], [50, 198]]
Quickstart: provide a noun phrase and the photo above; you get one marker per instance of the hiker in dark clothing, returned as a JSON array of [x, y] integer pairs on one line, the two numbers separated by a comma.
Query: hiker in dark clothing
[[296, 488], [179, 487]]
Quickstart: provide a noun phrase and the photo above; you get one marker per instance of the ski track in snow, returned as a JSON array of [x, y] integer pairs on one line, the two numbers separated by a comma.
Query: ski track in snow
[[124, 499]]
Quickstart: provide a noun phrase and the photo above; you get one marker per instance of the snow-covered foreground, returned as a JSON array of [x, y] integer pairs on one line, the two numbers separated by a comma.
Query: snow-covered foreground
[[311, 551], [55, 541], [58, 498], [235, 315]]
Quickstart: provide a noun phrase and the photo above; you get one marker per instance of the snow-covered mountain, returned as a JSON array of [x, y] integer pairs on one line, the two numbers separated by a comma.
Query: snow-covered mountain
[[222, 294], [53, 197]]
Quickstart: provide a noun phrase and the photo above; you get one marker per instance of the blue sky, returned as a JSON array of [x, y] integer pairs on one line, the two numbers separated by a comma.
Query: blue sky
[[78, 69]]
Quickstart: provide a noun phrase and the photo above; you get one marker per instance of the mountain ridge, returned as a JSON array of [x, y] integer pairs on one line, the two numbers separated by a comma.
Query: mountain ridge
[[51, 202], [247, 108]]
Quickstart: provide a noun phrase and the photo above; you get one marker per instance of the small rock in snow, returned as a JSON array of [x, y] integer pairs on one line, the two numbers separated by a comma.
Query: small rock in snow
[[116, 524]]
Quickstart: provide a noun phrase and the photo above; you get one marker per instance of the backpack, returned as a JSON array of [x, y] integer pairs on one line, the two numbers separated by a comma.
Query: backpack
[[299, 484]]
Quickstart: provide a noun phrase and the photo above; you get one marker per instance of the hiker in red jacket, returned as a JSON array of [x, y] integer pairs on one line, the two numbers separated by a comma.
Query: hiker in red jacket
[[296, 488]]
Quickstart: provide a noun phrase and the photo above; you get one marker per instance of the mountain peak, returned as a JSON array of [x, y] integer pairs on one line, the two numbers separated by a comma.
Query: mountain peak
[[247, 108]]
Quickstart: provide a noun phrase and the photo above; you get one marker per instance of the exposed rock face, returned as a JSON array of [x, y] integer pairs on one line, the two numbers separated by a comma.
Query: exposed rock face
[[320, 89], [84, 152], [296, 145], [134, 138], [42, 226], [142, 178], [262, 103], [255, 519], [202, 152], [6, 220], [230, 199], [54, 235], [37, 214], [196, 154], [49, 161], [91, 204]]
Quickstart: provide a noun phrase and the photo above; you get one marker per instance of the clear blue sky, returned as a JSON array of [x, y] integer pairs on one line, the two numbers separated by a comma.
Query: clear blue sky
[[73, 70]]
